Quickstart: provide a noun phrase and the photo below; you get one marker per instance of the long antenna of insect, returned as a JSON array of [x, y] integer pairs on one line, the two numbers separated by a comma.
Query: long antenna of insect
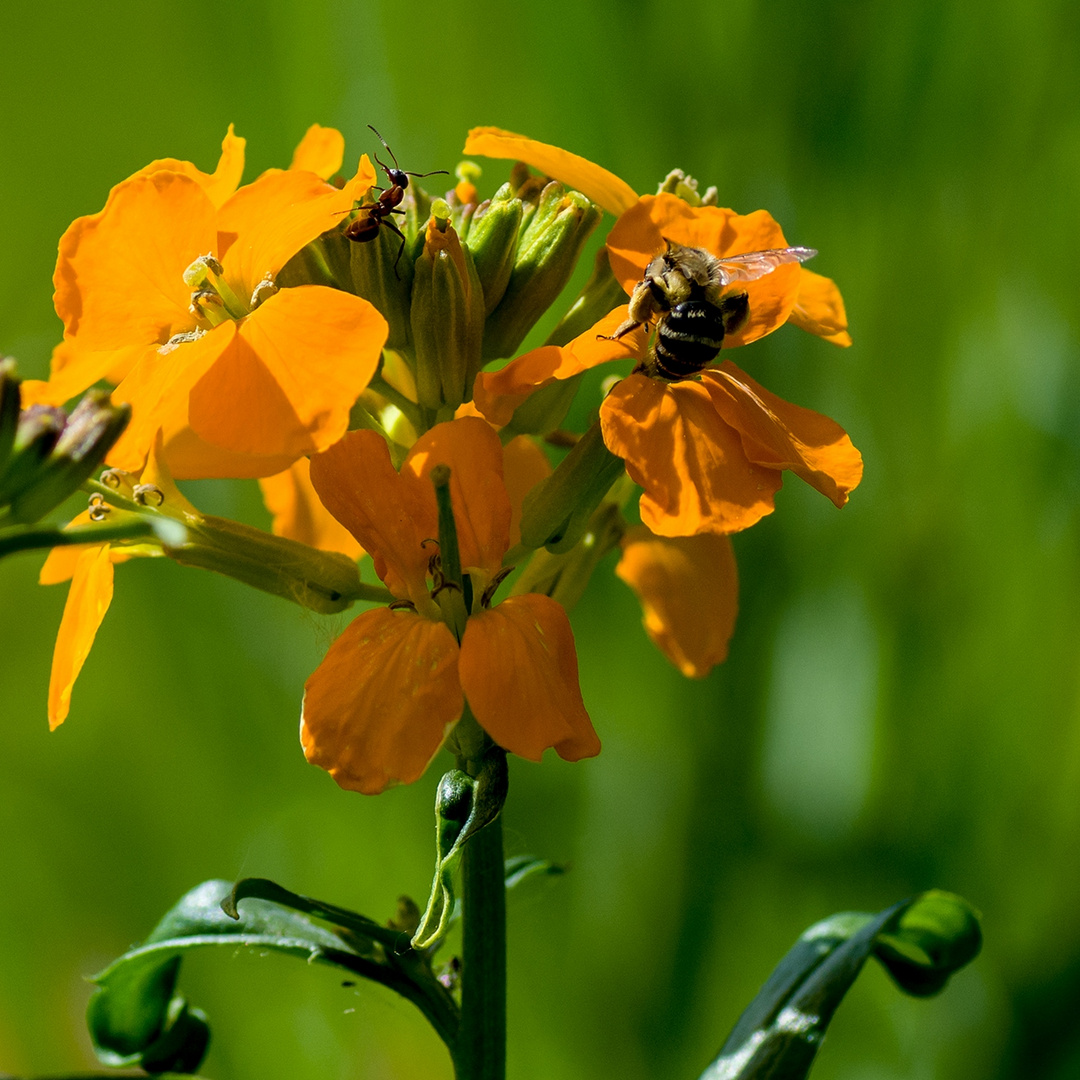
[[434, 172]]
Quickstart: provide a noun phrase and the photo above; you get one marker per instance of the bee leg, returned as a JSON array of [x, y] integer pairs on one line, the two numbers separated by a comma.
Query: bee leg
[[734, 312], [621, 330]]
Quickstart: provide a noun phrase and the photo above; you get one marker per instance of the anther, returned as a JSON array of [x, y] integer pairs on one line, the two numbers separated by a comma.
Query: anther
[[148, 495], [402, 605], [489, 593], [116, 479], [99, 508], [204, 296], [263, 291]]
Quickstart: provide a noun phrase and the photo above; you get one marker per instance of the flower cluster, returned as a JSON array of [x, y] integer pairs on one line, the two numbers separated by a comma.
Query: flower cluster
[[282, 331]]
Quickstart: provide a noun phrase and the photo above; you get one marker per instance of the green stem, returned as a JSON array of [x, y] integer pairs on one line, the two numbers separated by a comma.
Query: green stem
[[481, 1044]]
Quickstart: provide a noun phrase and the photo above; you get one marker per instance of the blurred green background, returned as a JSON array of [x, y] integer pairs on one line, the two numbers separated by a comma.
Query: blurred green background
[[900, 709]]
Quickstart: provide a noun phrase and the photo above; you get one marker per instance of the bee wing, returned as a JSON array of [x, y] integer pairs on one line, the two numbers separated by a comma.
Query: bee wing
[[756, 264]]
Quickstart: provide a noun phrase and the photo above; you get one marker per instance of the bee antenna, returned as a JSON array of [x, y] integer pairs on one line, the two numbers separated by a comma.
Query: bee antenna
[[388, 150]]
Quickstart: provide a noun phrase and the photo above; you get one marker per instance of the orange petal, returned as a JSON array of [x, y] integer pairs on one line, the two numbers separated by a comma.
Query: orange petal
[[689, 591], [285, 384], [779, 435], [119, 275], [265, 223], [61, 561], [391, 515], [88, 599], [321, 151], [300, 515], [377, 708], [524, 465], [158, 388], [498, 393], [604, 188], [639, 235], [691, 464], [820, 308], [218, 185], [474, 454], [81, 370], [520, 674]]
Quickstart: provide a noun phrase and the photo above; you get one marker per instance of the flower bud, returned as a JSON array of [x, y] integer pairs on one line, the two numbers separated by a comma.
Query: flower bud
[[382, 274], [556, 512], [89, 433], [10, 400], [447, 318], [38, 429], [547, 252], [492, 239]]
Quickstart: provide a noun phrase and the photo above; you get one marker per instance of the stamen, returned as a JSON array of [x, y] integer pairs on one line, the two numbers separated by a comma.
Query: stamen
[[117, 479], [496, 581], [263, 291], [180, 339], [149, 495], [402, 605], [99, 508]]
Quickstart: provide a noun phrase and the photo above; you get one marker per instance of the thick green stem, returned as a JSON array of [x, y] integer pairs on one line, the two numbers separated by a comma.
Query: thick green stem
[[481, 1044]]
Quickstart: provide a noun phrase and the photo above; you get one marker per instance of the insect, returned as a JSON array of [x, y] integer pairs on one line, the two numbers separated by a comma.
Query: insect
[[378, 213], [683, 288]]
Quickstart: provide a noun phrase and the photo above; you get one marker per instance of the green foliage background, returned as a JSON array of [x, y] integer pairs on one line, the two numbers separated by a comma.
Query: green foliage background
[[900, 709]]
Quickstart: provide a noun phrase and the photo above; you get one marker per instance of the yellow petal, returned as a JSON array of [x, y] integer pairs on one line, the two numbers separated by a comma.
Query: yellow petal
[[286, 383], [524, 465], [222, 182], [300, 515], [119, 274], [779, 435], [474, 455], [688, 588], [820, 308], [604, 188], [377, 708], [321, 151], [692, 465], [520, 674], [61, 561], [88, 599], [390, 514]]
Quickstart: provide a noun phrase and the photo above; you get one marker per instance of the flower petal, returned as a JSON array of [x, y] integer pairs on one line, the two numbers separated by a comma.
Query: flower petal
[[60, 563], [520, 675], [689, 589], [377, 708], [779, 435], [321, 151], [474, 454], [639, 235], [498, 393], [265, 223], [391, 515], [300, 515], [691, 464], [524, 465], [820, 308], [119, 275], [219, 184], [285, 384], [88, 599], [604, 188]]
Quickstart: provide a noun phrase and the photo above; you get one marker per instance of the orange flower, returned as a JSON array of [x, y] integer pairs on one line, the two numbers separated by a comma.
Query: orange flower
[[688, 587], [811, 301], [396, 681], [300, 515], [178, 292], [709, 451]]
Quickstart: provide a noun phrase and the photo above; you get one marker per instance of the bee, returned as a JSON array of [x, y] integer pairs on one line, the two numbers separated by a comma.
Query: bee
[[378, 213], [683, 288]]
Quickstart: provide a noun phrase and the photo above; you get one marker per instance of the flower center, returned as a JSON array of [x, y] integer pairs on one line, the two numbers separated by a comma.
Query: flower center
[[213, 300]]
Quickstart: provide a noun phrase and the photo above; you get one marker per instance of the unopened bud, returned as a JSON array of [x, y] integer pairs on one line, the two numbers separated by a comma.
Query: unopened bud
[[90, 432], [546, 255], [10, 399], [492, 239], [447, 319], [38, 429], [382, 274]]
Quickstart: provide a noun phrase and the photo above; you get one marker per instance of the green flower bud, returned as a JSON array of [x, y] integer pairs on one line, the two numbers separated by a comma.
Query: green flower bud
[[556, 512], [492, 239], [10, 400], [447, 318], [37, 432], [89, 434], [547, 253], [384, 279]]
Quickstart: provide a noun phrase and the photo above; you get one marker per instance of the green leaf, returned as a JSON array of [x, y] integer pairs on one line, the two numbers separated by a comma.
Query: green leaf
[[136, 1018], [921, 942], [522, 868]]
